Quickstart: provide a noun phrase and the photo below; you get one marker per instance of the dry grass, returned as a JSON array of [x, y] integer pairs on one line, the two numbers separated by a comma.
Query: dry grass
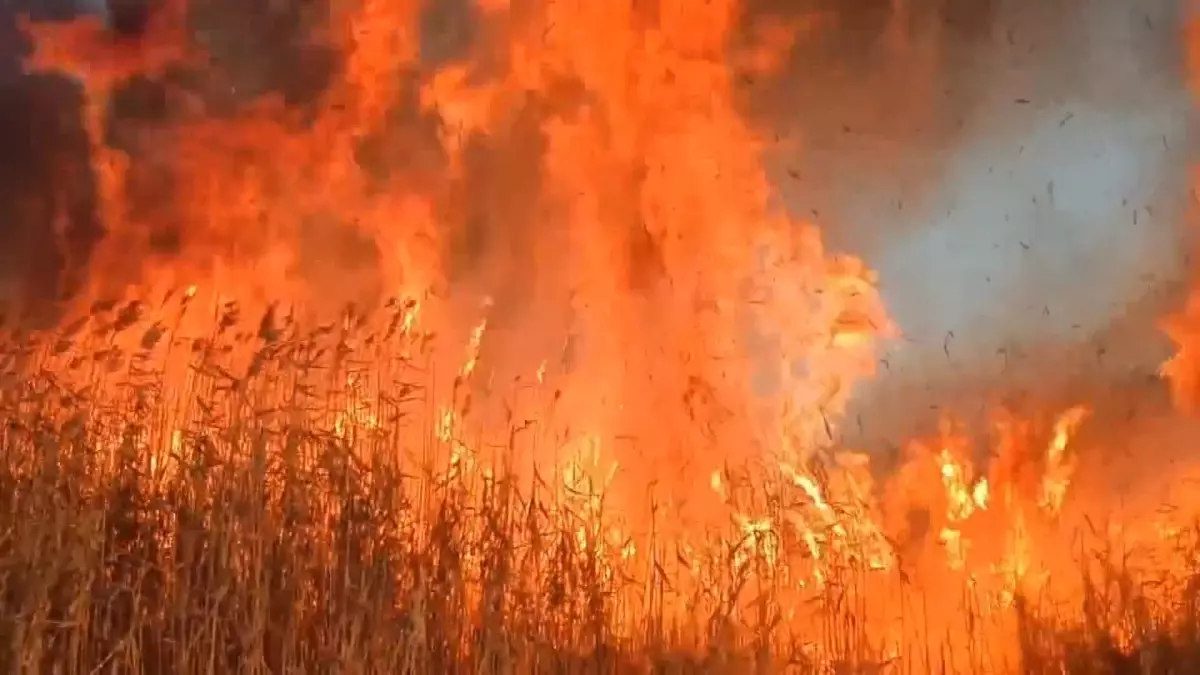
[[183, 519]]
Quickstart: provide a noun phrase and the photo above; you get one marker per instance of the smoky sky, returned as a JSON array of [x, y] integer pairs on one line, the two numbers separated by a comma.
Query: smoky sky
[[1021, 186]]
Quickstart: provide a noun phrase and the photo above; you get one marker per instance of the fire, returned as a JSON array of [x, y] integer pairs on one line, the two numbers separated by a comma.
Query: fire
[[963, 498], [649, 359], [1183, 327], [1059, 467]]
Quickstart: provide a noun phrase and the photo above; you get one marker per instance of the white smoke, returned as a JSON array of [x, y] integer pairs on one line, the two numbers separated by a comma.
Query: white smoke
[[1058, 205]]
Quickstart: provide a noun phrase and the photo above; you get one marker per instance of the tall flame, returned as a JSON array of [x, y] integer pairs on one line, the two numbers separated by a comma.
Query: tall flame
[[594, 181], [565, 227]]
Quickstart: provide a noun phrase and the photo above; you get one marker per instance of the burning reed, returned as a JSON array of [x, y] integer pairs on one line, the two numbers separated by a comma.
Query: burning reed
[[598, 430], [265, 503]]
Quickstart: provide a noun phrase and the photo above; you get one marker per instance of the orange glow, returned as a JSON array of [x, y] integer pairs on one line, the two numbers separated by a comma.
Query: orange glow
[[585, 288]]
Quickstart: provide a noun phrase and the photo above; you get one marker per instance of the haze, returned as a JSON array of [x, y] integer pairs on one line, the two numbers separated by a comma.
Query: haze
[[1030, 223]]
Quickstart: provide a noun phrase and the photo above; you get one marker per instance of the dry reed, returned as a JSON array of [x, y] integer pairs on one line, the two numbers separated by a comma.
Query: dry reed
[[246, 502]]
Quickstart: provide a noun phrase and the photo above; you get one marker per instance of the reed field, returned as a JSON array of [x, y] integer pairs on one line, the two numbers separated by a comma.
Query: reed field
[[164, 513]]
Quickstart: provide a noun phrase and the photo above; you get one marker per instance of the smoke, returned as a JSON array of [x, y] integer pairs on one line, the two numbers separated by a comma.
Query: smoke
[[1020, 181]]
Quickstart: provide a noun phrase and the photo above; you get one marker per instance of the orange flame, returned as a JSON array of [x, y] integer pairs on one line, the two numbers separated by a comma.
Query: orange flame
[[578, 198]]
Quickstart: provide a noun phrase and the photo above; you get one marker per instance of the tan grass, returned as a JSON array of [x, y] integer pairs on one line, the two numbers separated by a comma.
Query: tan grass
[[175, 504]]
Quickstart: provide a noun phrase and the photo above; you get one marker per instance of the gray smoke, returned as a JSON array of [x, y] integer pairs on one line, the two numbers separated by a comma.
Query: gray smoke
[[1024, 196]]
